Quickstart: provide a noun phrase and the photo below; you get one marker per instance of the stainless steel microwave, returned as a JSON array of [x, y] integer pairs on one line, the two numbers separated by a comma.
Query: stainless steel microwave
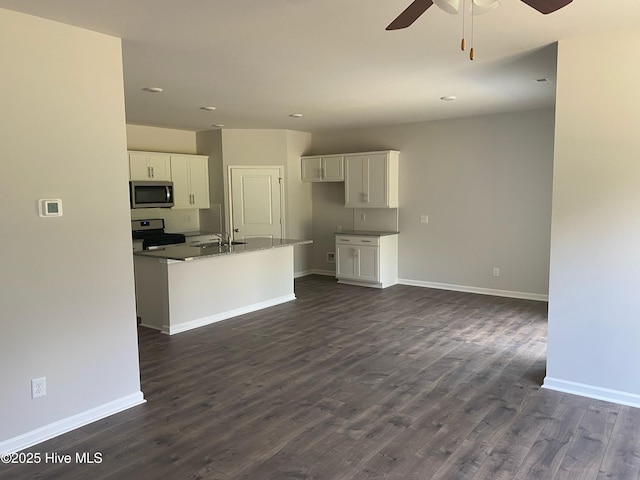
[[151, 194]]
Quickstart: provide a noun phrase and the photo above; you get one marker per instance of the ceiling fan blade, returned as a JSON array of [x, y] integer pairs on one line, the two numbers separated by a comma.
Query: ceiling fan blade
[[410, 14], [547, 6]]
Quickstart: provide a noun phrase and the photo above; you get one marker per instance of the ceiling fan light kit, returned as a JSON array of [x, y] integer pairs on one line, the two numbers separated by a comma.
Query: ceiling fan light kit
[[476, 7], [484, 6], [449, 6]]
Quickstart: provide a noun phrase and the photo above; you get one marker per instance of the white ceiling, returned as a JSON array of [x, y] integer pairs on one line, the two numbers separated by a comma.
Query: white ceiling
[[258, 61]]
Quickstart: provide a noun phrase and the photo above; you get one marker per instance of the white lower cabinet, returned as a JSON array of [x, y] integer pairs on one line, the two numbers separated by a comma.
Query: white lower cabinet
[[367, 260], [357, 262]]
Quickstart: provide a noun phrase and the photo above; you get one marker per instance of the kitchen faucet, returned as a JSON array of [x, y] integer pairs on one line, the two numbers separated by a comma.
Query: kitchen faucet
[[223, 238]]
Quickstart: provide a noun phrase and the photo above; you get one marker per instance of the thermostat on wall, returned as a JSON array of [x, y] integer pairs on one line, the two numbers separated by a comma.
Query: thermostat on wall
[[51, 207]]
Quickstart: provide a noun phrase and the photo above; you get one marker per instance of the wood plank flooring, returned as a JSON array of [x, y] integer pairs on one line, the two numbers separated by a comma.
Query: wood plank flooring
[[350, 383]]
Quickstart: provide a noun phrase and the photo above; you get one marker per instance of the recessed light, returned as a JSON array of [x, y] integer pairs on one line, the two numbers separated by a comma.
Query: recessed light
[[295, 115], [208, 108], [152, 89], [448, 98], [217, 125]]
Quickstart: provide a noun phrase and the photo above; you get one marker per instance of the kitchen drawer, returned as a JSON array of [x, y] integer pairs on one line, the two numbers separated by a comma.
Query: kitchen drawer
[[358, 240]]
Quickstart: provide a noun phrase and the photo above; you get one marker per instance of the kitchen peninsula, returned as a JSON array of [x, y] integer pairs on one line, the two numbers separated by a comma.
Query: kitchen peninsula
[[181, 287]]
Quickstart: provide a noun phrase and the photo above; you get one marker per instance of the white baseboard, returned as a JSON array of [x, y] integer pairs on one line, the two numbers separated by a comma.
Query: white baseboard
[[327, 273], [599, 393], [65, 425], [201, 322], [153, 327], [483, 291], [360, 284], [302, 273]]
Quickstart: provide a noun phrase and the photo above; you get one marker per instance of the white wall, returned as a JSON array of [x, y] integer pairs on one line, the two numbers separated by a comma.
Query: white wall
[[209, 142], [485, 182], [66, 284], [299, 211], [594, 305], [280, 148], [156, 139]]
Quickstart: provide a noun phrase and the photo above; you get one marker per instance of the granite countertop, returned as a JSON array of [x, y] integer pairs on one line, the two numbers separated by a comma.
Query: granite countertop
[[196, 233], [367, 233], [186, 252]]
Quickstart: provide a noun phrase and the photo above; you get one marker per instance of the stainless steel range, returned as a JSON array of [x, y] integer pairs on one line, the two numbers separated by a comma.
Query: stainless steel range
[[150, 234]]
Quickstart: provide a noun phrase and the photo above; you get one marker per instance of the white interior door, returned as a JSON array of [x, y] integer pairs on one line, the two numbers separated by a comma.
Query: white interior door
[[256, 202]]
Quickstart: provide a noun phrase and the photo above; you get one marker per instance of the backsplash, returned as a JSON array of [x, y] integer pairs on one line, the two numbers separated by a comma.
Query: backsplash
[[181, 220], [211, 218], [375, 219]]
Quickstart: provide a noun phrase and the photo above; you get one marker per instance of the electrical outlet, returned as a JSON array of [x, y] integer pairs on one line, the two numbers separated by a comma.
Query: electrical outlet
[[331, 257], [38, 387], [424, 218], [496, 272]]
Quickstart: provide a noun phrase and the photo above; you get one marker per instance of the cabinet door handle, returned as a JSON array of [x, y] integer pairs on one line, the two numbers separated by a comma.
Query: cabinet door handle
[[366, 241], [149, 172], [153, 173]]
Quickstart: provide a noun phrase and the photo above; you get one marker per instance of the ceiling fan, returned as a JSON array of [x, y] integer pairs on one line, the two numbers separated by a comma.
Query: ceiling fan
[[418, 7]]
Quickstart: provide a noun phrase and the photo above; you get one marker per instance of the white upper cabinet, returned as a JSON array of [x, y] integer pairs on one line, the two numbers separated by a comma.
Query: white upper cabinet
[[371, 180], [149, 166], [190, 176], [323, 168]]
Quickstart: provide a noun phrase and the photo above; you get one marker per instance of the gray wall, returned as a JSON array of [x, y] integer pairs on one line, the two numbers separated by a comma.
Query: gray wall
[[485, 182], [156, 139], [66, 284], [266, 147], [594, 305], [210, 143]]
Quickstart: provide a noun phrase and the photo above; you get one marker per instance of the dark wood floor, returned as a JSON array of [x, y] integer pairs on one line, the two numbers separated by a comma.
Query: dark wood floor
[[355, 383]]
